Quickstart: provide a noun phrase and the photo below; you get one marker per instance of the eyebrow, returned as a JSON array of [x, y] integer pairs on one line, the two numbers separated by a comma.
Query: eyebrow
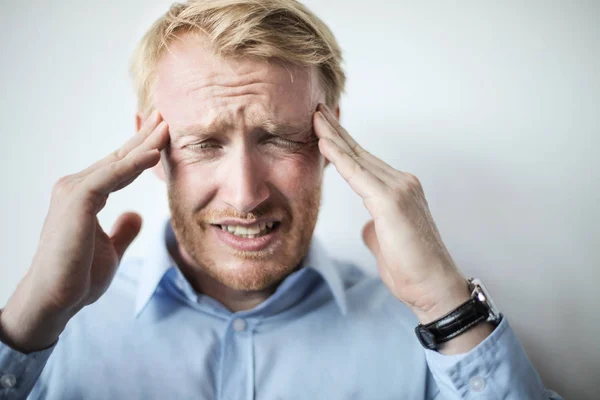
[[285, 129], [305, 130], [199, 130]]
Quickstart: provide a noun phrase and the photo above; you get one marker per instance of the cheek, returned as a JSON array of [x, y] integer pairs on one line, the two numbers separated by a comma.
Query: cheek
[[296, 175], [192, 185]]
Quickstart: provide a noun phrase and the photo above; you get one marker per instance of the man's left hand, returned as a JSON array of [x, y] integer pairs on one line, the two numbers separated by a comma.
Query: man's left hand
[[412, 259]]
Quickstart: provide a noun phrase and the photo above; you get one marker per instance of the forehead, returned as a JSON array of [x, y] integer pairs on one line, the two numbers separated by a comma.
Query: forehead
[[196, 87]]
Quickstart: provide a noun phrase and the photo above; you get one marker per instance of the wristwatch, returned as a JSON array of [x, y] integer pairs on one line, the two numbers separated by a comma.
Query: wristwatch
[[480, 308]]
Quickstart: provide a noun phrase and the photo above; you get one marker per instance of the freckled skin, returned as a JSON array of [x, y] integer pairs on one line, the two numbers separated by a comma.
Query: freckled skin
[[239, 171]]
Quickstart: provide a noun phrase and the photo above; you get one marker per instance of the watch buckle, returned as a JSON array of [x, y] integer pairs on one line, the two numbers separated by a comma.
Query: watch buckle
[[479, 292]]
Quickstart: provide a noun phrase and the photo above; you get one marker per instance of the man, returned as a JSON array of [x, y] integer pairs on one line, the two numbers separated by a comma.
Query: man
[[239, 102]]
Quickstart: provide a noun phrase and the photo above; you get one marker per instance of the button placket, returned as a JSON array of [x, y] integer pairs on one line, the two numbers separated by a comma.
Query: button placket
[[238, 349]]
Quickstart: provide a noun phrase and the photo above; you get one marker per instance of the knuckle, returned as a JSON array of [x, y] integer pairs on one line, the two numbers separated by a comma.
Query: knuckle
[[413, 183], [398, 191], [62, 186], [407, 186], [358, 150], [358, 167], [97, 201], [118, 154], [115, 170], [115, 167]]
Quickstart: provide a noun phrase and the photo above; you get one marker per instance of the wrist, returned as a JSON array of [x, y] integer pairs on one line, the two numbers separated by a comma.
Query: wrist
[[27, 328], [442, 298], [460, 322]]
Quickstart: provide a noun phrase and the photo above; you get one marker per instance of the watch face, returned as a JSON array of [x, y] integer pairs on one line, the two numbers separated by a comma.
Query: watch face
[[484, 296]]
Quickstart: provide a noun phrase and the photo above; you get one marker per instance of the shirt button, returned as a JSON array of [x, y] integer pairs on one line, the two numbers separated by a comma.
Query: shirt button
[[477, 384], [239, 325], [8, 381]]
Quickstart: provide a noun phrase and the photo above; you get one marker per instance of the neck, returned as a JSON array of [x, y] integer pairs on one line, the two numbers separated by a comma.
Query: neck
[[234, 300]]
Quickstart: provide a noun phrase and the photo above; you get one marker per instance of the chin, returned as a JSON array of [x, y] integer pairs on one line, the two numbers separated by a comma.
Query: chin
[[250, 274]]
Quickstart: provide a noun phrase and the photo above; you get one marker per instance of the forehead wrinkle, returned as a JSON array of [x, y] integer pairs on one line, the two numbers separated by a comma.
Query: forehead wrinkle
[[214, 127], [270, 123]]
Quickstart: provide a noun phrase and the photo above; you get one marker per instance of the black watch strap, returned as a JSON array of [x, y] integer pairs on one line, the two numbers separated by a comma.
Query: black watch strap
[[463, 318]]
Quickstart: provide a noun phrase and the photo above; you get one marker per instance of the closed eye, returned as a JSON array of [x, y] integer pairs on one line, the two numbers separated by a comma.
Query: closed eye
[[281, 142], [269, 139], [203, 145]]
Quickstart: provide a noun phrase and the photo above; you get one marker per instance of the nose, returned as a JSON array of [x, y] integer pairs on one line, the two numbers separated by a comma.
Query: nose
[[244, 186]]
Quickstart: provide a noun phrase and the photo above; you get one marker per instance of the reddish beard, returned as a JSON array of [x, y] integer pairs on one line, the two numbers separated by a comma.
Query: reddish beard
[[266, 268]]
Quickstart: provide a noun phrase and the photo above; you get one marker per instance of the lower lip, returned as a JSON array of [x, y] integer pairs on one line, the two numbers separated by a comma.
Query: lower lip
[[247, 244]]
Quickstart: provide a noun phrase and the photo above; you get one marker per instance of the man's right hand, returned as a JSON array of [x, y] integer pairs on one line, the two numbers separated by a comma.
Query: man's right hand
[[76, 260]]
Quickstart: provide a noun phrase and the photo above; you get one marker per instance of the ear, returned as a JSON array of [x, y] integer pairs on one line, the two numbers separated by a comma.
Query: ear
[[158, 169]]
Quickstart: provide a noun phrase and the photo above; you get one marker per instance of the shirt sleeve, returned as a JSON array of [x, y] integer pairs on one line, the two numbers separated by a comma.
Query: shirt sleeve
[[19, 372], [498, 368]]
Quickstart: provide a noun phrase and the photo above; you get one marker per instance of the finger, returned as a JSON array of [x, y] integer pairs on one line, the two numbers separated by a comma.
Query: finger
[[152, 126], [148, 128], [141, 142], [127, 182], [124, 231], [323, 128], [343, 133], [353, 144], [107, 179], [370, 239], [361, 180], [156, 140]]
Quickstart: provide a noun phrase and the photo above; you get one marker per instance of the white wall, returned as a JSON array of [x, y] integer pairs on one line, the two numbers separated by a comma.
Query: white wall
[[493, 105]]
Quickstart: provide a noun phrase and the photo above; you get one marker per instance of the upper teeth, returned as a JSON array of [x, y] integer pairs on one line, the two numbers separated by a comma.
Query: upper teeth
[[250, 230]]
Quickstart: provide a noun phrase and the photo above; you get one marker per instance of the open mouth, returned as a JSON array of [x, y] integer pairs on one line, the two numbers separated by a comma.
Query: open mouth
[[250, 231], [255, 237]]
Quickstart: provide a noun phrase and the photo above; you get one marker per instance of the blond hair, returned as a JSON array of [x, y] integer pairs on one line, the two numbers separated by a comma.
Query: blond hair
[[284, 30]]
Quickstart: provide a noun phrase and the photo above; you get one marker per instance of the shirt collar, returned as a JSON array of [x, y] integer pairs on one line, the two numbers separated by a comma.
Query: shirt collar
[[155, 266], [159, 262], [318, 259]]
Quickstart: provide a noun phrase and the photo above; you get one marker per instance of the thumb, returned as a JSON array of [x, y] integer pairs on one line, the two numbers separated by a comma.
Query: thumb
[[370, 237], [125, 229]]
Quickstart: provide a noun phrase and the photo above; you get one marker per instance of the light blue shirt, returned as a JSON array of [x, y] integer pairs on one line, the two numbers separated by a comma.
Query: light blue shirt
[[330, 331]]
